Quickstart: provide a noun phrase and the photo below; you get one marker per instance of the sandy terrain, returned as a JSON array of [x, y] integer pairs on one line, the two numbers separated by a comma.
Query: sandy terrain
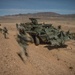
[[42, 60]]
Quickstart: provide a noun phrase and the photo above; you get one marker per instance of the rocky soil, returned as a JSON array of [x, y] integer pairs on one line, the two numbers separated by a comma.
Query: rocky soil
[[42, 60]]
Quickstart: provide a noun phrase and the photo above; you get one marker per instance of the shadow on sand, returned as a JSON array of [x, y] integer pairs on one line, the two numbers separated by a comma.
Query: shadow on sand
[[55, 47]]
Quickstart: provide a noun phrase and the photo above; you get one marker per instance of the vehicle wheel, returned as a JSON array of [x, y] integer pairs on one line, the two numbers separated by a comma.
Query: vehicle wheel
[[37, 41], [32, 39]]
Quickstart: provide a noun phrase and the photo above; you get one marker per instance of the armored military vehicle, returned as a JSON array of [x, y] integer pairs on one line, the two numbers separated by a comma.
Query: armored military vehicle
[[46, 33]]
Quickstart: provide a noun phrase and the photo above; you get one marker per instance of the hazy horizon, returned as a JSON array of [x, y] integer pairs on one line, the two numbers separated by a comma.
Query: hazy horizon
[[11, 7]]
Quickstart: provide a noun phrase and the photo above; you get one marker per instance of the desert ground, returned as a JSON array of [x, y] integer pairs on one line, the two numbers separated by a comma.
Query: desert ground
[[42, 59]]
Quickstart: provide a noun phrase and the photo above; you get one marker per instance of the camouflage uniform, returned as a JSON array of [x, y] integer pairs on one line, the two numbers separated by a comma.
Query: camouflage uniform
[[23, 40], [5, 31], [21, 30], [1, 28], [17, 26]]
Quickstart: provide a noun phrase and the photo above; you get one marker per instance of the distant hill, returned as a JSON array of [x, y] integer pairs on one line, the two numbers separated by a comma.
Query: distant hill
[[42, 15]]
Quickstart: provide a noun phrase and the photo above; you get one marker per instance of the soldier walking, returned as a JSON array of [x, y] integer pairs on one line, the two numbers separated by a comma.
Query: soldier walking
[[5, 32], [23, 40], [1, 28]]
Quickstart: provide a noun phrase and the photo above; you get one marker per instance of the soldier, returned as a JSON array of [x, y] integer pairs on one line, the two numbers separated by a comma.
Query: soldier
[[21, 30], [17, 26], [5, 31], [1, 28], [59, 27], [23, 40]]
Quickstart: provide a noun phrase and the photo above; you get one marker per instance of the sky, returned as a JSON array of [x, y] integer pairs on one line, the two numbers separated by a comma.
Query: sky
[[11, 7]]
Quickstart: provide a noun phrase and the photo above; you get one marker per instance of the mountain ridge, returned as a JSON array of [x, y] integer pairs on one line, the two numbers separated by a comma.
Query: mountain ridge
[[47, 14], [42, 15]]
